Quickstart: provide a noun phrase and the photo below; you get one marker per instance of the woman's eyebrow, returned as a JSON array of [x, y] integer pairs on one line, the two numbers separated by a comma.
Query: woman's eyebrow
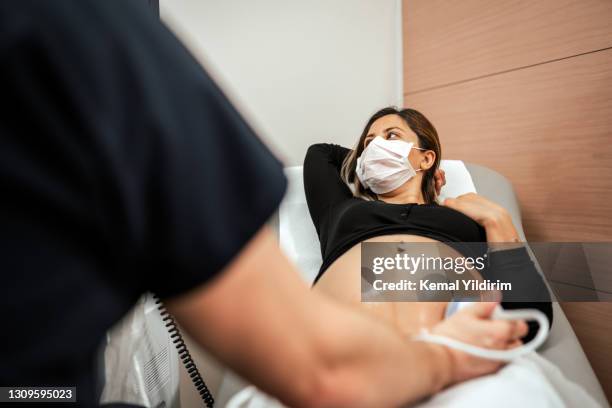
[[394, 127], [386, 130]]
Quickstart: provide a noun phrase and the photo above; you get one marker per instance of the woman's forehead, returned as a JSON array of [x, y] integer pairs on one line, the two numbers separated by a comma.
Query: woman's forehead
[[390, 121]]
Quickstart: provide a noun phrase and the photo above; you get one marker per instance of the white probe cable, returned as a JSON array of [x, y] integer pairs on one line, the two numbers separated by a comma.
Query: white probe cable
[[502, 355]]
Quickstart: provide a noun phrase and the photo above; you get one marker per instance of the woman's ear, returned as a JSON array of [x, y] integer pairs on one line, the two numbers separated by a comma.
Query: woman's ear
[[428, 158]]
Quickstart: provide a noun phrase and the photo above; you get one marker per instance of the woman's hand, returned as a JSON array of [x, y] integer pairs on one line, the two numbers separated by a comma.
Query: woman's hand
[[440, 179], [493, 217], [478, 208], [473, 325]]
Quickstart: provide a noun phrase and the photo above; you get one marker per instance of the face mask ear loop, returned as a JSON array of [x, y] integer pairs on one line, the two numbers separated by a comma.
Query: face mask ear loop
[[418, 148], [501, 355]]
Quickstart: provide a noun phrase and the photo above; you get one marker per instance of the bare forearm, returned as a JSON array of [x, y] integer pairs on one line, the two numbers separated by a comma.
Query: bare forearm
[[370, 365], [261, 320]]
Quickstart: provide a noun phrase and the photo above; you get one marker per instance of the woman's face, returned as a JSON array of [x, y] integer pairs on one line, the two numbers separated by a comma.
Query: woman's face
[[391, 127]]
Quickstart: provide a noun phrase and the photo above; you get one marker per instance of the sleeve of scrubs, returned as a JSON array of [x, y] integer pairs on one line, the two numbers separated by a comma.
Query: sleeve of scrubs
[[211, 182], [214, 185], [157, 180], [123, 169]]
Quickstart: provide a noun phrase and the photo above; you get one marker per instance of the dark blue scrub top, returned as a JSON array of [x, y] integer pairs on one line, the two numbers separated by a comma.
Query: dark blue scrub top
[[123, 169]]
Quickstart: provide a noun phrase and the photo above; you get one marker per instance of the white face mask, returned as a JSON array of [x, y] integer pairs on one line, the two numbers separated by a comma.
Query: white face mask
[[383, 165]]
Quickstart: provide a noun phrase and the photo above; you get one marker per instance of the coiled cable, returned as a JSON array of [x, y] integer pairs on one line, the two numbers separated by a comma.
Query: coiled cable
[[185, 356]]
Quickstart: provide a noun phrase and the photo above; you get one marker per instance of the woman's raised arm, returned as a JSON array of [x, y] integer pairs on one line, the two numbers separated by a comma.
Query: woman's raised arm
[[322, 182]]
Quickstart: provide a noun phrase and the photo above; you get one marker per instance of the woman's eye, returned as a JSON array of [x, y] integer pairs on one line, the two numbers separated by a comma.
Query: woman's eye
[[392, 135]]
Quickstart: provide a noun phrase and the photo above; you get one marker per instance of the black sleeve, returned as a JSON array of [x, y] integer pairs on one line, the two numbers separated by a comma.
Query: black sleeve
[[211, 183], [132, 142], [322, 183], [516, 267]]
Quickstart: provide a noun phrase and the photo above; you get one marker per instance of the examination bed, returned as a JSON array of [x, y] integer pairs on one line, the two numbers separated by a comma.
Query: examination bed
[[299, 240]]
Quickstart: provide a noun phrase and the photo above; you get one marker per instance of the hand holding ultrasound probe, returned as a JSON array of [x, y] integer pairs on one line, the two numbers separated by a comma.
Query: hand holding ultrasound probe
[[485, 211]]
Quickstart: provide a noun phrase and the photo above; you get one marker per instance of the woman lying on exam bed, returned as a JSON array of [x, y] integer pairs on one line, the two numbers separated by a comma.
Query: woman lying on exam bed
[[367, 195], [373, 194]]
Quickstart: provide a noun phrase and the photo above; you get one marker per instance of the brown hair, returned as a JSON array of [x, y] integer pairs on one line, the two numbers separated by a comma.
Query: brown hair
[[427, 137]]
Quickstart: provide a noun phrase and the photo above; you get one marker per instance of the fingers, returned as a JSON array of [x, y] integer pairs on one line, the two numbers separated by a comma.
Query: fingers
[[465, 203], [495, 333], [455, 202], [500, 334], [481, 309], [520, 329], [440, 180], [491, 296], [508, 330], [515, 344], [450, 202]]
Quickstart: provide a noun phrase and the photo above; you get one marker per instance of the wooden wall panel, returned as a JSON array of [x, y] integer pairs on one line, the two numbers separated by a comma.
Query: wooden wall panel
[[587, 320], [451, 41], [525, 88], [549, 130]]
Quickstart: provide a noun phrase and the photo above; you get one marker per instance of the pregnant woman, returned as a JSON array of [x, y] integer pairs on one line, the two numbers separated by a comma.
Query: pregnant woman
[[384, 190]]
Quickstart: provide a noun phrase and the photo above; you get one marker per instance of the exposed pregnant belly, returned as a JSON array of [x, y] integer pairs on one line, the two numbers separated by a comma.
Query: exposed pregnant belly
[[342, 281]]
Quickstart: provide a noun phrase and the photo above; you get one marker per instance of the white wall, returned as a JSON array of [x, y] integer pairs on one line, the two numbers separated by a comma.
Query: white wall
[[300, 71]]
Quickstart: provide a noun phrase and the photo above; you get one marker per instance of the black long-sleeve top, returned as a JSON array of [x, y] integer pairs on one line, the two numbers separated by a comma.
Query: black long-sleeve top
[[342, 220]]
